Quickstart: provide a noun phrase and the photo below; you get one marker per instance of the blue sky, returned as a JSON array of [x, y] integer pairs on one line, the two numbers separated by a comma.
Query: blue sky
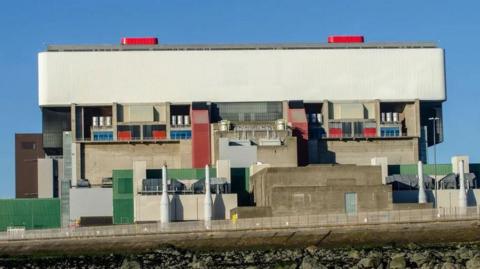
[[26, 27]]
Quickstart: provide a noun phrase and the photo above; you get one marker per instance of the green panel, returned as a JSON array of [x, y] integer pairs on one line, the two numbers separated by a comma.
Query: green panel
[[240, 185], [122, 196], [30, 213], [411, 169], [122, 211]]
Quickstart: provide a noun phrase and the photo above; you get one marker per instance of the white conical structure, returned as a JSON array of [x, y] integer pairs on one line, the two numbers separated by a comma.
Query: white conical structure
[[207, 203], [422, 195], [462, 195], [164, 202]]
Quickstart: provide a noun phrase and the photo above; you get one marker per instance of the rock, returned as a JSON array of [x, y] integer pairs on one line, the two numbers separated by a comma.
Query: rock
[[398, 262], [198, 265], [311, 249], [130, 264], [310, 263], [419, 259], [412, 246], [368, 262], [449, 265], [249, 258], [473, 263], [354, 254]]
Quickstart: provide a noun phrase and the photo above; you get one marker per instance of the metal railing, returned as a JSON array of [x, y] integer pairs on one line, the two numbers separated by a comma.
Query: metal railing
[[305, 221]]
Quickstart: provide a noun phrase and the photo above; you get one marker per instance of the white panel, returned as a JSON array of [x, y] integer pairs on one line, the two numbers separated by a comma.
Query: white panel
[[45, 178], [241, 75], [91, 202]]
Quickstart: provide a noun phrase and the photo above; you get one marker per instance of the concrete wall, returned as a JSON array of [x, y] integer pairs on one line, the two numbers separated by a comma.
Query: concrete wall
[[100, 159], [311, 200], [90, 202], [184, 207], [45, 178], [314, 175], [446, 198], [398, 151], [281, 74]]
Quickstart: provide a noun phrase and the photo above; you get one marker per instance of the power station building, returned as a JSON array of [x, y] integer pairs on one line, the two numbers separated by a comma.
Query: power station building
[[107, 107]]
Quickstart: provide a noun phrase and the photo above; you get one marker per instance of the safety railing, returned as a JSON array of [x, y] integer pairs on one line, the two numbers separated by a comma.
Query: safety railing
[[304, 221]]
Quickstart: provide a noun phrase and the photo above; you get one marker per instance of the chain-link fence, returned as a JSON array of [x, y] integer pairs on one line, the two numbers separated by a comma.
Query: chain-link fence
[[324, 220]]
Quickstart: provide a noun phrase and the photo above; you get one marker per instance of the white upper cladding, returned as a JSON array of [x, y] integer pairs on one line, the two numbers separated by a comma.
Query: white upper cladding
[[147, 76]]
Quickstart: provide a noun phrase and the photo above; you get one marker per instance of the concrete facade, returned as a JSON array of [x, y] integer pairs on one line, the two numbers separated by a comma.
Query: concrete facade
[[183, 207], [101, 159], [90, 202], [319, 189], [360, 152]]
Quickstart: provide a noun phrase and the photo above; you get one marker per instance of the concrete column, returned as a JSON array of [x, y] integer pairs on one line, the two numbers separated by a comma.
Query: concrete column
[[207, 203], [462, 195], [139, 173], [164, 202], [422, 195], [114, 120], [73, 122]]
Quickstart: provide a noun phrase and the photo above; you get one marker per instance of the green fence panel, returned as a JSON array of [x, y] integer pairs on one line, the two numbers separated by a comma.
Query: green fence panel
[[183, 173], [411, 169], [30, 213], [122, 211]]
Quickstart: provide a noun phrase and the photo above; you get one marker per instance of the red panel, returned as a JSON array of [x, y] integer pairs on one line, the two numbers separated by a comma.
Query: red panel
[[200, 138], [159, 134], [124, 135], [370, 132], [335, 132], [346, 39], [139, 41]]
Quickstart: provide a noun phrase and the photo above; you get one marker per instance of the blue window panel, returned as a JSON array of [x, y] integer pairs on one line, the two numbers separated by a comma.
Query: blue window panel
[[389, 131], [183, 134], [102, 136]]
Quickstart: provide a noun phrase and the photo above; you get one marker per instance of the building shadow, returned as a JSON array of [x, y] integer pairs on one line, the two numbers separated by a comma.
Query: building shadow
[[218, 207]]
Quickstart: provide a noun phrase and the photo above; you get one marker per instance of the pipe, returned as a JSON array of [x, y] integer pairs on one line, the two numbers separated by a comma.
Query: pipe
[[207, 204], [462, 195], [422, 195], [164, 202]]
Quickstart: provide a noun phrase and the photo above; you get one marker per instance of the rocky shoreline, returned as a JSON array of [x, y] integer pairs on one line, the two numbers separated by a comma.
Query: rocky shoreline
[[411, 256]]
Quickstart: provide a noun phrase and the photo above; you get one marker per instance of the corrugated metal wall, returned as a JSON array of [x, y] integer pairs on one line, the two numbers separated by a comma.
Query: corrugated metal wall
[[122, 196], [30, 213], [200, 138]]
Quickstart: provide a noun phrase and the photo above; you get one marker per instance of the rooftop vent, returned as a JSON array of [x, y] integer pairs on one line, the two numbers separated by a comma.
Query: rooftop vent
[[345, 39], [139, 41]]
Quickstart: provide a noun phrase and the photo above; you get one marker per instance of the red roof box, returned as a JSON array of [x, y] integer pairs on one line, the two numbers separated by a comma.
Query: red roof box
[[139, 41], [345, 39]]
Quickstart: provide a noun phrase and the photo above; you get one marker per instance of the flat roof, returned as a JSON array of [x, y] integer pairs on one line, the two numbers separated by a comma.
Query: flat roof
[[274, 46]]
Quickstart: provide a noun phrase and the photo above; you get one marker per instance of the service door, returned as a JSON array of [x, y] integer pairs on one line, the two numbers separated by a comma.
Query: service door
[[351, 203]]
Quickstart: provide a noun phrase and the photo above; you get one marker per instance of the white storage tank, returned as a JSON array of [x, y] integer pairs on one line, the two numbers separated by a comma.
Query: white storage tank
[[224, 125], [95, 121], [396, 117], [280, 125], [313, 118], [108, 121], [186, 119], [174, 120], [382, 117], [319, 118], [389, 116], [180, 119], [101, 121]]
